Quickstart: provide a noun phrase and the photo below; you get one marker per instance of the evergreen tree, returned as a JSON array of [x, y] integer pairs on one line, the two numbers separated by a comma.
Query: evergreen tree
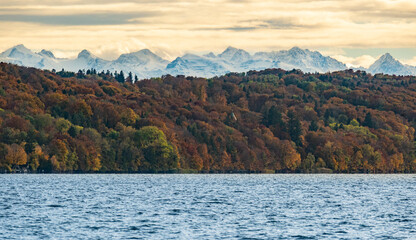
[[295, 128], [80, 74], [368, 121], [120, 77], [129, 79], [314, 126], [273, 116]]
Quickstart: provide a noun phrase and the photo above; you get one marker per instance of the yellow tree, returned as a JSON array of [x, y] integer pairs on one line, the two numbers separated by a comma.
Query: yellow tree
[[16, 155], [291, 158]]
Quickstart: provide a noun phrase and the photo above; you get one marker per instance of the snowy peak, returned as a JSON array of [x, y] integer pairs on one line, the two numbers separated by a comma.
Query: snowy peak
[[235, 55], [46, 53], [387, 57], [146, 64], [17, 51], [23, 56], [85, 54], [387, 64], [21, 47], [303, 59], [210, 55], [141, 57], [178, 62], [296, 51]]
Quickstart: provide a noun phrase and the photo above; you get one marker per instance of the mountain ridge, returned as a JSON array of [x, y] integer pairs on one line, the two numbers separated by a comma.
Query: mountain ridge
[[146, 64]]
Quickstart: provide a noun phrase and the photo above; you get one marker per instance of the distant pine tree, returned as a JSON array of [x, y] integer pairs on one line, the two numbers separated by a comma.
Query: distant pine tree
[[120, 77], [129, 79]]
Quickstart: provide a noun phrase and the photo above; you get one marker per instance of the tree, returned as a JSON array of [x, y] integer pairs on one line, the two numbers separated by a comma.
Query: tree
[[397, 162], [80, 74], [129, 79], [320, 163], [16, 155], [60, 152], [158, 154], [314, 126], [308, 163], [273, 117], [368, 121], [356, 161], [128, 117], [63, 125], [291, 159], [35, 157], [120, 77], [295, 128]]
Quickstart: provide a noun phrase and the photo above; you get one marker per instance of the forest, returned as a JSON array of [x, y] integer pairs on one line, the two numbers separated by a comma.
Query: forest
[[270, 121]]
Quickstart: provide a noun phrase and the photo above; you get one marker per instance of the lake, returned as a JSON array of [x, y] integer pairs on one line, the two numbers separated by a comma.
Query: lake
[[240, 206]]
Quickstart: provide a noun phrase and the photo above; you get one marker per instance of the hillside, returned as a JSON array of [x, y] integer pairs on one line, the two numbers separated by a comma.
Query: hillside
[[262, 121]]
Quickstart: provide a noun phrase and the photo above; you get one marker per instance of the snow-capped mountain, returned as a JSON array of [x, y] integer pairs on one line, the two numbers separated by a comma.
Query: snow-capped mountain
[[146, 64], [234, 55], [194, 65], [238, 60], [388, 65], [143, 63], [304, 60], [142, 58], [47, 53], [85, 60], [21, 55]]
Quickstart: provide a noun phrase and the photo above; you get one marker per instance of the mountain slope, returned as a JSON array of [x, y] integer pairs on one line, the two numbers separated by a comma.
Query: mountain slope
[[146, 64], [194, 65], [388, 65], [304, 60]]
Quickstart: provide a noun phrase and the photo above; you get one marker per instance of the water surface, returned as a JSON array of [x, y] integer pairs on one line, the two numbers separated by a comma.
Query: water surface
[[207, 206]]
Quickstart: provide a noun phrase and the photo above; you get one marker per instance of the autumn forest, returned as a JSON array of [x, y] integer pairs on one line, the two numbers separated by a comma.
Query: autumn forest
[[270, 121]]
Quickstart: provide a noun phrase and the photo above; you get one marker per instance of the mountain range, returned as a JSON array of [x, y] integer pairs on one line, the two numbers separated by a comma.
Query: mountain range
[[146, 64]]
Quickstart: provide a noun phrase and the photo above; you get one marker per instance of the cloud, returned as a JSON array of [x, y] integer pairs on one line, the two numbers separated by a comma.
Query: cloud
[[108, 27], [361, 61], [275, 23], [78, 19], [411, 62]]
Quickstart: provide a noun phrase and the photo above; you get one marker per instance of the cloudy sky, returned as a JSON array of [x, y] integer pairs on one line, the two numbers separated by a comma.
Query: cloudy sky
[[353, 31]]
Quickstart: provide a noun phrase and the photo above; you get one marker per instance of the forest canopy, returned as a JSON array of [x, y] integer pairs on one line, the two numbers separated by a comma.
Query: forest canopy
[[259, 121]]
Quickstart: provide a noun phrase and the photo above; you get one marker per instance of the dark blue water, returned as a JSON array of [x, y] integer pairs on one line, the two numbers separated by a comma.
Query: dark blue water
[[207, 206]]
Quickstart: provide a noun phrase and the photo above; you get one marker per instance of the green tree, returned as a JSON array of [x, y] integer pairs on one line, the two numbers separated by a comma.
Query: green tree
[[295, 128], [273, 116], [368, 121], [62, 125], [308, 163], [159, 155]]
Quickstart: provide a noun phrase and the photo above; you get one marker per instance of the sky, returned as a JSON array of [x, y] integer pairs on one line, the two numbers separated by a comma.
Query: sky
[[354, 31]]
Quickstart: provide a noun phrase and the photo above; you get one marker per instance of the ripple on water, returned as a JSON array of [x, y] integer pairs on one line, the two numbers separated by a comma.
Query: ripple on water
[[207, 206]]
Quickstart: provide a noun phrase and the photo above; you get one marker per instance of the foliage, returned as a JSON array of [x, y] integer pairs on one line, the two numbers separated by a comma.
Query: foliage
[[261, 121]]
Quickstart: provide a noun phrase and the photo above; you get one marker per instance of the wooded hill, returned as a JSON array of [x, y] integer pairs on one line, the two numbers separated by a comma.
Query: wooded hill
[[266, 121]]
